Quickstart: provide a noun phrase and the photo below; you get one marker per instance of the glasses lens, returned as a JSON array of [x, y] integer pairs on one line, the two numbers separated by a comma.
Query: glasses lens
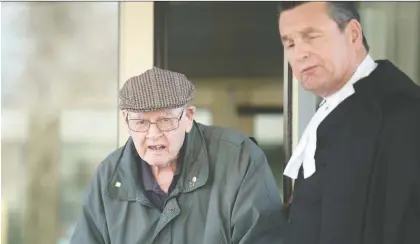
[[167, 124], [138, 125]]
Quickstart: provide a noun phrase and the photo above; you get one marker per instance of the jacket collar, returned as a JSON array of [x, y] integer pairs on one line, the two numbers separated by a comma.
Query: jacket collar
[[124, 182]]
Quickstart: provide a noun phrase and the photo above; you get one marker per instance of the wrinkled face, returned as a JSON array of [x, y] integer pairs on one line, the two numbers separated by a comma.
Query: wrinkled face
[[322, 56], [160, 147]]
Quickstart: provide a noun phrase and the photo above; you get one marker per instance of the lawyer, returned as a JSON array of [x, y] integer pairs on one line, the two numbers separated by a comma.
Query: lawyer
[[357, 165]]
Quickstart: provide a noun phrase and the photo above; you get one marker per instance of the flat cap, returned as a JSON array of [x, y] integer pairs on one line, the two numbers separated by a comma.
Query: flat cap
[[156, 89]]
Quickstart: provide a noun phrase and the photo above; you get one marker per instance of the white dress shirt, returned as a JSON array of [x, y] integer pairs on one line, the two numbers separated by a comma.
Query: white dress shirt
[[304, 154]]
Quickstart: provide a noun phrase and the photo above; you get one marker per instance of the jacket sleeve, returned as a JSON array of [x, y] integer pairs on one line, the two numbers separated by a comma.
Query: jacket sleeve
[[256, 214], [91, 227]]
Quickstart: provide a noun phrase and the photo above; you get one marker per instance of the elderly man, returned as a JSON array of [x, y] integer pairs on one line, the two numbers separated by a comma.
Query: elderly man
[[178, 181], [357, 165]]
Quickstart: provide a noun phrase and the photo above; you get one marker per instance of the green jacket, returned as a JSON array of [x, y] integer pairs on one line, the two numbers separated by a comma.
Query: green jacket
[[232, 199]]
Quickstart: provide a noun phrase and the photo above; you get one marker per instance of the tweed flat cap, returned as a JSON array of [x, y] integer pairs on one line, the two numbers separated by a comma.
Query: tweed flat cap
[[156, 89]]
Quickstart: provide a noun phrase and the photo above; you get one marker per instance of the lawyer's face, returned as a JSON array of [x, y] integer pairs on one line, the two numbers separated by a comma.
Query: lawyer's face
[[320, 54]]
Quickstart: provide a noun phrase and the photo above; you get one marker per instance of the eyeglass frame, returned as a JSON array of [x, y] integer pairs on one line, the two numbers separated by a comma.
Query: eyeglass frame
[[156, 122]]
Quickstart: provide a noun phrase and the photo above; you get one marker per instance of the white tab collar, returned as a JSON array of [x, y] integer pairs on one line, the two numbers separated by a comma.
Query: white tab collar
[[362, 71]]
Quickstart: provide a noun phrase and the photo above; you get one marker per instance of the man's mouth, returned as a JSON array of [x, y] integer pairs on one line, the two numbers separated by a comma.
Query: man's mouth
[[156, 147], [310, 68]]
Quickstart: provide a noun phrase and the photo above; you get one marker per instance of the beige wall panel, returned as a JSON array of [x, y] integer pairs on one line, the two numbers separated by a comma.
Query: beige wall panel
[[136, 45]]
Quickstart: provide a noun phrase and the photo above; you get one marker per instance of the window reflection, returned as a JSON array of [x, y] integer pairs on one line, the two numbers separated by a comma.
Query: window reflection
[[59, 117]]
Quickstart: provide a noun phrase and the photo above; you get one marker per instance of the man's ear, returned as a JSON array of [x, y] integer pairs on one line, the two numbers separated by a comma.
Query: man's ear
[[124, 116], [190, 112], [356, 33], [189, 115]]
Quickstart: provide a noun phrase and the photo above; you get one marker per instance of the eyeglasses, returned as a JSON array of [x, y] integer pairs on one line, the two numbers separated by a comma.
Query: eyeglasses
[[164, 124]]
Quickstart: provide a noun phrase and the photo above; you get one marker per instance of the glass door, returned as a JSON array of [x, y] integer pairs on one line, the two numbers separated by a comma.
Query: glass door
[[232, 53]]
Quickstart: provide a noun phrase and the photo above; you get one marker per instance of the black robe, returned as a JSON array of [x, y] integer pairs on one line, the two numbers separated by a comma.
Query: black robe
[[366, 188]]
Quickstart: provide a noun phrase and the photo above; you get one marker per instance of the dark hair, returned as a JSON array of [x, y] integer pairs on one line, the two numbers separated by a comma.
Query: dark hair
[[340, 12]]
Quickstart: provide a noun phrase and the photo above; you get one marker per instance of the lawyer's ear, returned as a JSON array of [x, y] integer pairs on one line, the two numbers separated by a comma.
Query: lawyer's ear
[[354, 29]]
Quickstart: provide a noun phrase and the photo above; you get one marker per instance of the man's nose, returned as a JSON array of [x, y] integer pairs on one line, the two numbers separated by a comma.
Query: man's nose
[[154, 132], [301, 51]]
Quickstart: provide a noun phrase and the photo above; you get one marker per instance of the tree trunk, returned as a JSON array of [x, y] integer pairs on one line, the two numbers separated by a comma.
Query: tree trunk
[[49, 23], [42, 200]]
